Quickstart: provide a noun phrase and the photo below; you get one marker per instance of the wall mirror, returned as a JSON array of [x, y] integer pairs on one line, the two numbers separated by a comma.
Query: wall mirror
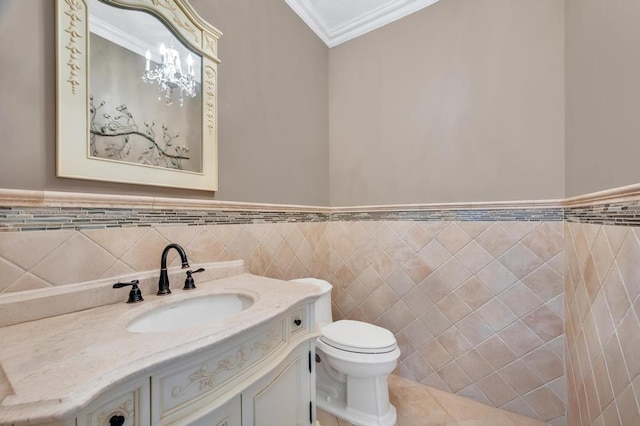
[[136, 93]]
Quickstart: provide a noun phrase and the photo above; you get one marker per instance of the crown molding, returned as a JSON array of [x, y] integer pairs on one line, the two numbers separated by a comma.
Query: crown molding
[[355, 26], [116, 35]]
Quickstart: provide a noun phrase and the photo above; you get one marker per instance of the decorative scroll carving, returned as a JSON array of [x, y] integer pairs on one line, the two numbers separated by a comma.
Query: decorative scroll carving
[[210, 44], [177, 18], [211, 98], [245, 355], [74, 14]]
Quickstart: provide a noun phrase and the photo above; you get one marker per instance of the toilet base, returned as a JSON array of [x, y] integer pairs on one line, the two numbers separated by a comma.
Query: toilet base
[[338, 409], [362, 401]]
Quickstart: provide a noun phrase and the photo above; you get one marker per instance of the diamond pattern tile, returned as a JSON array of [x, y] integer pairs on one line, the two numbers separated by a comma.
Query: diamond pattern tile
[[453, 238], [204, 247], [545, 323], [496, 314], [453, 308], [88, 262], [118, 241], [112, 252], [435, 321], [496, 277], [454, 377], [470, 286], [9, 273], [417, 301], [520, 338], [434, 254], [384, 235], [417, 334], [474, 329], [453, 273], [603, 330], [454, 342], [474, 257], [474, 365], [456, 294], [497, 389], [417, 237], [473, 293], [27, 282], [417, 269], [602, 255], [545, 282], [400, 283], [496, 240], [520, 377], [545, 241], [271, 241], [520, 261], [520, 299], [27, 249]]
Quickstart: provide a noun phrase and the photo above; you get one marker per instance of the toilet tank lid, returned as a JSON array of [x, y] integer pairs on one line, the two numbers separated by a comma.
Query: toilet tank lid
[[358, 336], [322, 284]]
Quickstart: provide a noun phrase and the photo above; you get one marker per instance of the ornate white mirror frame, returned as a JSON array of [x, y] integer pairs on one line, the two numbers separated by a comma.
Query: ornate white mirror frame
[[74, 159]]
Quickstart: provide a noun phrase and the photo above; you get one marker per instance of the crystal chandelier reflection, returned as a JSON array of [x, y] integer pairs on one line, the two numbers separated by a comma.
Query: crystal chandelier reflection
[[169, 75]]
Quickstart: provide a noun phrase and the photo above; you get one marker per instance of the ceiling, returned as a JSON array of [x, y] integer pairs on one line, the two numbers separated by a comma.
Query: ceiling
[[337, 21]]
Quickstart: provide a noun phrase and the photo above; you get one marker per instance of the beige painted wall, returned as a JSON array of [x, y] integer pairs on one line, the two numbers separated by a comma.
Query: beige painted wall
[[603, 95], [462, 101], [273, 90]]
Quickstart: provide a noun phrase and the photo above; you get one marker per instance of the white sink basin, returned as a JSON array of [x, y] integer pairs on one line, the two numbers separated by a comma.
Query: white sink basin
[[190, 313]]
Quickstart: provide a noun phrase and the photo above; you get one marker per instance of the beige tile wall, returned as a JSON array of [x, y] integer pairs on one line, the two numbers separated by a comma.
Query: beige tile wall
[[602, 285], [37, 259], [477, 307]]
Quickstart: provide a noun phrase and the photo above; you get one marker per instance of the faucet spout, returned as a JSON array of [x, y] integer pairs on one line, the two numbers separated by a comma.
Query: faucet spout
[[163, 283]]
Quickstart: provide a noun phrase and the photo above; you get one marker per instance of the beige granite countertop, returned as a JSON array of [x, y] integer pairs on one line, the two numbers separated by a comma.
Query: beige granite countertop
[[56, 366]]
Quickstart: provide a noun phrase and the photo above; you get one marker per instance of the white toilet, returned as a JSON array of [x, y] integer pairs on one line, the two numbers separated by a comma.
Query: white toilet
[[354, 360]]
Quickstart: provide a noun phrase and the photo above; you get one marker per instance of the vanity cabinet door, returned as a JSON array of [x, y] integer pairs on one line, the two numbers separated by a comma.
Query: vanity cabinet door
[[283, 396], [227, 415], [125, 406]]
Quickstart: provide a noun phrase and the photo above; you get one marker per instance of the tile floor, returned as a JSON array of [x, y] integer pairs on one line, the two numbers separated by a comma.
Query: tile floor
[[420, 405]]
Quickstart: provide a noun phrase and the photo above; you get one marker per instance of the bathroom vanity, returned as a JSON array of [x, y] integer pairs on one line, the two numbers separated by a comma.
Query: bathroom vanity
[[252, 366]]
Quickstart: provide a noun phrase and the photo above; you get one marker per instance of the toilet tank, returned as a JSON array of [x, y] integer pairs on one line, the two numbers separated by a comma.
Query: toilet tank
[[323, 305]]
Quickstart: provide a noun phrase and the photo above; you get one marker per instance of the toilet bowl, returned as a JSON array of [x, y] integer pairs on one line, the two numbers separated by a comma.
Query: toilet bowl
[[353, 362]]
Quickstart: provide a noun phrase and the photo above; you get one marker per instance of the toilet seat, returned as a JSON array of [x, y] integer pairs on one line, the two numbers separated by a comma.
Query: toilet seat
[[358, 337]]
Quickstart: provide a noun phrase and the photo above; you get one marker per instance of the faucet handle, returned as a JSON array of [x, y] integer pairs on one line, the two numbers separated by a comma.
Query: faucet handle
[[135, 295], [189, 284]]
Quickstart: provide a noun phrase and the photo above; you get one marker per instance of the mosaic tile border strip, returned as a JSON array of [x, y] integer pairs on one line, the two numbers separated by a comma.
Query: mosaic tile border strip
[[625, 213], [34, 210], [460, 215], [56, 218]]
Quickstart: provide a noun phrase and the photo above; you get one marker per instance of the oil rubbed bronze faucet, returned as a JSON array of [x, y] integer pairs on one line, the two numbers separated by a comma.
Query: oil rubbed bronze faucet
[[163, 283]]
